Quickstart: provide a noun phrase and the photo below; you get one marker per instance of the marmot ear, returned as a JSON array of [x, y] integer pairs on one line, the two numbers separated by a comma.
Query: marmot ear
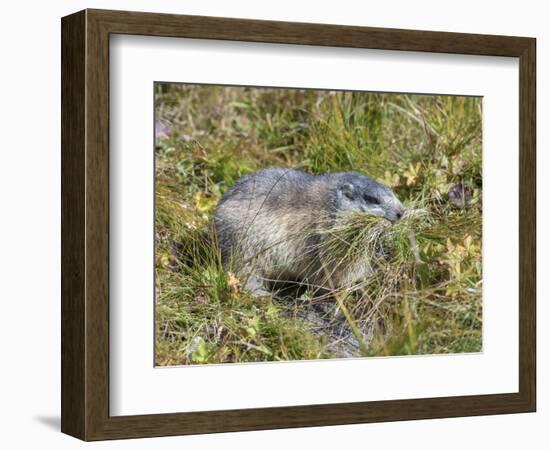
[[348, 190]]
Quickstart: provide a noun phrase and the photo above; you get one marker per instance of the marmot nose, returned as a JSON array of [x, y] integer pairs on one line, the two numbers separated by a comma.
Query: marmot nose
[[399, 214]]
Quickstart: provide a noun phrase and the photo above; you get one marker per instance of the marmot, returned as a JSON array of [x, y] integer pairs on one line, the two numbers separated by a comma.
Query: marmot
[[268, 223]]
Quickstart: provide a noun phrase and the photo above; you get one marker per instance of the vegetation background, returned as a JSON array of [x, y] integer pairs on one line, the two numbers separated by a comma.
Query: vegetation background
[[428, 298]]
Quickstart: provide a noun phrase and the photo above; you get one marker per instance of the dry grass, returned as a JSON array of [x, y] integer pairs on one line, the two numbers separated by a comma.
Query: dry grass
[[424, 294]]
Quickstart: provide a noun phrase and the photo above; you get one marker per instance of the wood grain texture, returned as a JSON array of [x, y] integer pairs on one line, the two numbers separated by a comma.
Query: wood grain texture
[[85, 224], [170, 25], [527, 223], [97, 225], [73, 111]]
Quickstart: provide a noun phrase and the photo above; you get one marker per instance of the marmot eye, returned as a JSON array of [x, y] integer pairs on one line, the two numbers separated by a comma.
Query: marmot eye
[[370, 199]]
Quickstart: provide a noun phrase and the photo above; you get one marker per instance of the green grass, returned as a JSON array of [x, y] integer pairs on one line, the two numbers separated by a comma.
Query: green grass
[[424, 295]]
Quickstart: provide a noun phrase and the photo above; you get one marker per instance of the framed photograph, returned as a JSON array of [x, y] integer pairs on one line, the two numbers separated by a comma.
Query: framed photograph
[[272, 225]]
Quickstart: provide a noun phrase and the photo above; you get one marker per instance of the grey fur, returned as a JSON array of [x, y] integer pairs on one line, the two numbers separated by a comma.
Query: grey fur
[[266, 225]]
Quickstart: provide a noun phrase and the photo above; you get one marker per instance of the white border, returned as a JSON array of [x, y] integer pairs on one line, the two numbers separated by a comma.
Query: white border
[[136, 387]]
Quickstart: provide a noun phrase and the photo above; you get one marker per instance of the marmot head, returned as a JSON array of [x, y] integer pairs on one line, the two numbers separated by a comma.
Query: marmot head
[[359, 193]]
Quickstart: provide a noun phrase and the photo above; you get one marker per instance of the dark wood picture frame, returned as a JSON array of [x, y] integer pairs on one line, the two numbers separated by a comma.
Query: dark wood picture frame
[[85, 224]]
